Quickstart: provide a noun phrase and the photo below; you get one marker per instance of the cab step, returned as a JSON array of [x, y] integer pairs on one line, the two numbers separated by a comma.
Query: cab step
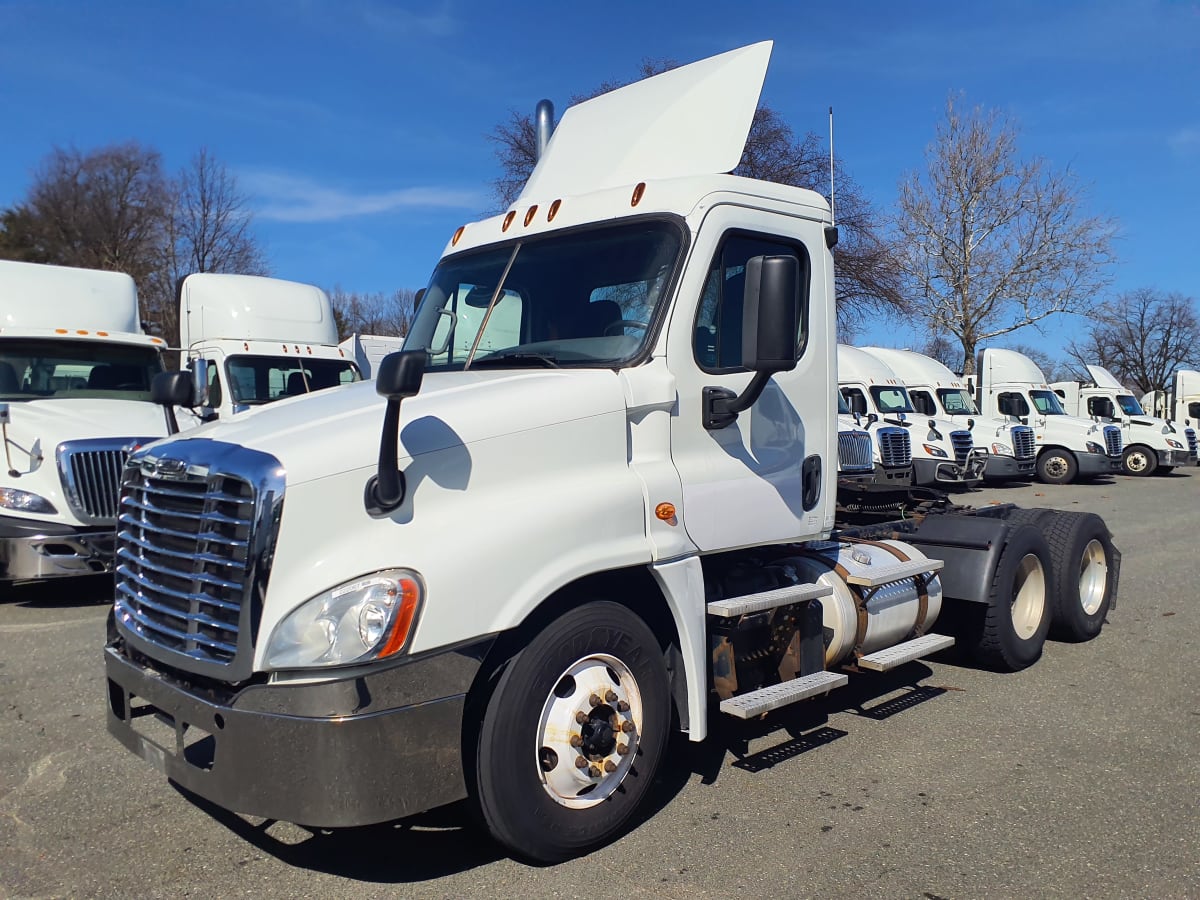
[[755, 703], [881, 575], [889, 658], [732, 607]]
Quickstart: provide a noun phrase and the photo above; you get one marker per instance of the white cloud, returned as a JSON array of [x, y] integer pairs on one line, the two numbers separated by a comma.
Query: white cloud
[[289, 198]]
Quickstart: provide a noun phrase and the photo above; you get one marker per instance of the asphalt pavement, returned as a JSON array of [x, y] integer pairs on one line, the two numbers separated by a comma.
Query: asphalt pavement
[[1079, 777]]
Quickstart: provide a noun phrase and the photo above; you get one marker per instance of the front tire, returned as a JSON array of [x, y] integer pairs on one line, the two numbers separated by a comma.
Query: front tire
[[573, 734], [1057, 467], [1009, 632], [1139, 461]]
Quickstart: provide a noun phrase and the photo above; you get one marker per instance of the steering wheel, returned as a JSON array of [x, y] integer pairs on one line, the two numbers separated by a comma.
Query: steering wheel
[[619, 326]]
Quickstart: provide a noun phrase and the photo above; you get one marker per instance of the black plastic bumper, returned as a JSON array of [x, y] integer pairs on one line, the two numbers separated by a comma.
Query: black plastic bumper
[[1007, 468], [354, 751], [30, 550], [1097, 463]]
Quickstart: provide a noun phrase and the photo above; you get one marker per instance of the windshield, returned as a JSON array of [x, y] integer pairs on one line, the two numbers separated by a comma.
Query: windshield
[[957, 402], [36, 369], [1129, 405], [260, 379], [1047, 403], [585, 299], [891, 400]]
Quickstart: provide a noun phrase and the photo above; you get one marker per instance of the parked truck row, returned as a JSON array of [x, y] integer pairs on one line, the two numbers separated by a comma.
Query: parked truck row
[[593, 501]]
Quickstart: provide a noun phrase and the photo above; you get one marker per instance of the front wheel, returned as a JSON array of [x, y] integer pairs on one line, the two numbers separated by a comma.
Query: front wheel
[[573, 734], [1139, 461], [1056, 467]]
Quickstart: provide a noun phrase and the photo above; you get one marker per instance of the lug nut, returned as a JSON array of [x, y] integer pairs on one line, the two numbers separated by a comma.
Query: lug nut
[[581, 717], [595, 700], [611, 696], [610, 766], [576, 740], [627, 727], [622, 706], [594, 771], [622, 749], [580, 762]]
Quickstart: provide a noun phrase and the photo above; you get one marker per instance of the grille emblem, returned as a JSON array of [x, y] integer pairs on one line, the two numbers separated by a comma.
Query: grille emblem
[[164, 468]]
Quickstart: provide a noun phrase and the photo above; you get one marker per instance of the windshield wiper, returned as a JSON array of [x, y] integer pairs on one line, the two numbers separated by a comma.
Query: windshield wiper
[[518, 357]]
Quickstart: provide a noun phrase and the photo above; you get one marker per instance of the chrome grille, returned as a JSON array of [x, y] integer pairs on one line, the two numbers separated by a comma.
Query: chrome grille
[[193, 553], [1023, 442], [895, 446], [91, 475], [962, 444], [1112, 440], [854, 452]]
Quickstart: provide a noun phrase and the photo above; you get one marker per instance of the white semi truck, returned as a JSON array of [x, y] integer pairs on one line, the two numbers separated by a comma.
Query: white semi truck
[[75, 376], [1150, 444], [1069, 447], [880, 456], [254, 340], [943, 452], [507, 574], [1180, 402], [936, 391], [368, 350]]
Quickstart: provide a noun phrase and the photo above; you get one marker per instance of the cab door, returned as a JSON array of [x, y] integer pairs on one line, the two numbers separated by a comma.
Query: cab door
[[768, 476]]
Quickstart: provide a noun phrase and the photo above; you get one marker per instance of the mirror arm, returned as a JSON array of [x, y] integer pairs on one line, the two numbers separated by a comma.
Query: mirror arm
[[385, 490], [721, 405]]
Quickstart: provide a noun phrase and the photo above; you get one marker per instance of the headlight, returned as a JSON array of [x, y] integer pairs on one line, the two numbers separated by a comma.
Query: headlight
[[361, 620], [934, 450], [1002, 450], [1093, 447], [1174, 443], [24, 501]]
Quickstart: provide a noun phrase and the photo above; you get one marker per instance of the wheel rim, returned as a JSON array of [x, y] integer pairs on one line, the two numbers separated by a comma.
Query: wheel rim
[[1093, 577], [1029, 597], [1137, 462], [588, 731], [1056, 467]]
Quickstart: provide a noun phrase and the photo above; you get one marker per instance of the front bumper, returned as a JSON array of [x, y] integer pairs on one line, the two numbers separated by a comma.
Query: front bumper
[[1097, 463], [1007, 468], [898, 475], [30, 550], [1175, 458], [942, 471], [351, 751]]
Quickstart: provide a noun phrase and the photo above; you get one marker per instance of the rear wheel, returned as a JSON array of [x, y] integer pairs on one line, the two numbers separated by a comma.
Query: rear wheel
[[1009, 632], [1139, 461], [573, 734], [1084, 574], [1056, 467]]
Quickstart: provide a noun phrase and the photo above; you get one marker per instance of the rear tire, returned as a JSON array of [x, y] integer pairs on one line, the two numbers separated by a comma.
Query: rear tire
[[1056, 467], [1138, 461], [533, 795], [1009, 632], [1082, 554]]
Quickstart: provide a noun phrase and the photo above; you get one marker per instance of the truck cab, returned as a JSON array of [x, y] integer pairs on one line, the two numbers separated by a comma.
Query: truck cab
[[1150, 444], [1180, 402], [1069, 447], [943, 452], [936, 391], [258, 340], [75, 376]]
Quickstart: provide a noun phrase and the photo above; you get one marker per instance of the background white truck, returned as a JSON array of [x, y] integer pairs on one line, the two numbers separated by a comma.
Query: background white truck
[[1180, 402], [936, 391], [75, 374], [1011, 384], [506, 574], [1150, 444], [260, 339], [943, 452], [368, 350]]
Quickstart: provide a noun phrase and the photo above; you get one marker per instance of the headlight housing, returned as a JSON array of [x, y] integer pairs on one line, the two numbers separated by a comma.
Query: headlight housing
[[1171, 442], [368, 618], [1002, 449], [936, 451], [25, 501], [1093, 447]]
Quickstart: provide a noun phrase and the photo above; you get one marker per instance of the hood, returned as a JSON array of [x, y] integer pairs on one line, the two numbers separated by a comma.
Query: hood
[[1065, 425], [338, 429], [53, 421]]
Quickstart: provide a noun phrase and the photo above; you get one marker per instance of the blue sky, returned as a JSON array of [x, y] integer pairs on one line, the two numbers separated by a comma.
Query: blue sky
[[359, 128]]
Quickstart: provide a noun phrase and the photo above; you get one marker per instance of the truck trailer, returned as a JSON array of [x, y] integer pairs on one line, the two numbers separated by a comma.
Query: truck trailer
[[513, 565]]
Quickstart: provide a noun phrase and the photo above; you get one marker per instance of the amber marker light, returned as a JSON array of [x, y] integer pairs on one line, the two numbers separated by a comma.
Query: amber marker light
[[529, 214], [61, 331], [457, 235], [553, 211], [102, 333], [666, 512], [637, 194], [410, 598], [508, 219], [80, 331]]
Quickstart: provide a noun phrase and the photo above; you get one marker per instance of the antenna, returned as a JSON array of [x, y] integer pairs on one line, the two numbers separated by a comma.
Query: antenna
[[832, 215]]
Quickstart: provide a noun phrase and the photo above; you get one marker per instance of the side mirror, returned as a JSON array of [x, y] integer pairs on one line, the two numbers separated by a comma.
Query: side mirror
[[770, 321], [169, 390], [859, 404], [400, 376], [1193, 410], [199, 383]]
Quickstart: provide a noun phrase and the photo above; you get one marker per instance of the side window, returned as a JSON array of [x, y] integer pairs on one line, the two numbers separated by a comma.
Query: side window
[[717, 341], [1012, 405], [923, 403]]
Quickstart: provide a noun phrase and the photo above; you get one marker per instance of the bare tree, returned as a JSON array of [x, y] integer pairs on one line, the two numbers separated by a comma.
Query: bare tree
[[1142, 337], [990, 244], [377, 313], [868, 276], [944, 350]]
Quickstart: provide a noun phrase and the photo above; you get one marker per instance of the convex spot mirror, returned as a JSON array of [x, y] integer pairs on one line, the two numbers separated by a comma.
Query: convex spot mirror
[[771, 313]]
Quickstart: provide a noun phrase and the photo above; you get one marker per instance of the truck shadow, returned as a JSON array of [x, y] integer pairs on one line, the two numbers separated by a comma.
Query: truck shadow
[[63, 593], [449, 841]]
